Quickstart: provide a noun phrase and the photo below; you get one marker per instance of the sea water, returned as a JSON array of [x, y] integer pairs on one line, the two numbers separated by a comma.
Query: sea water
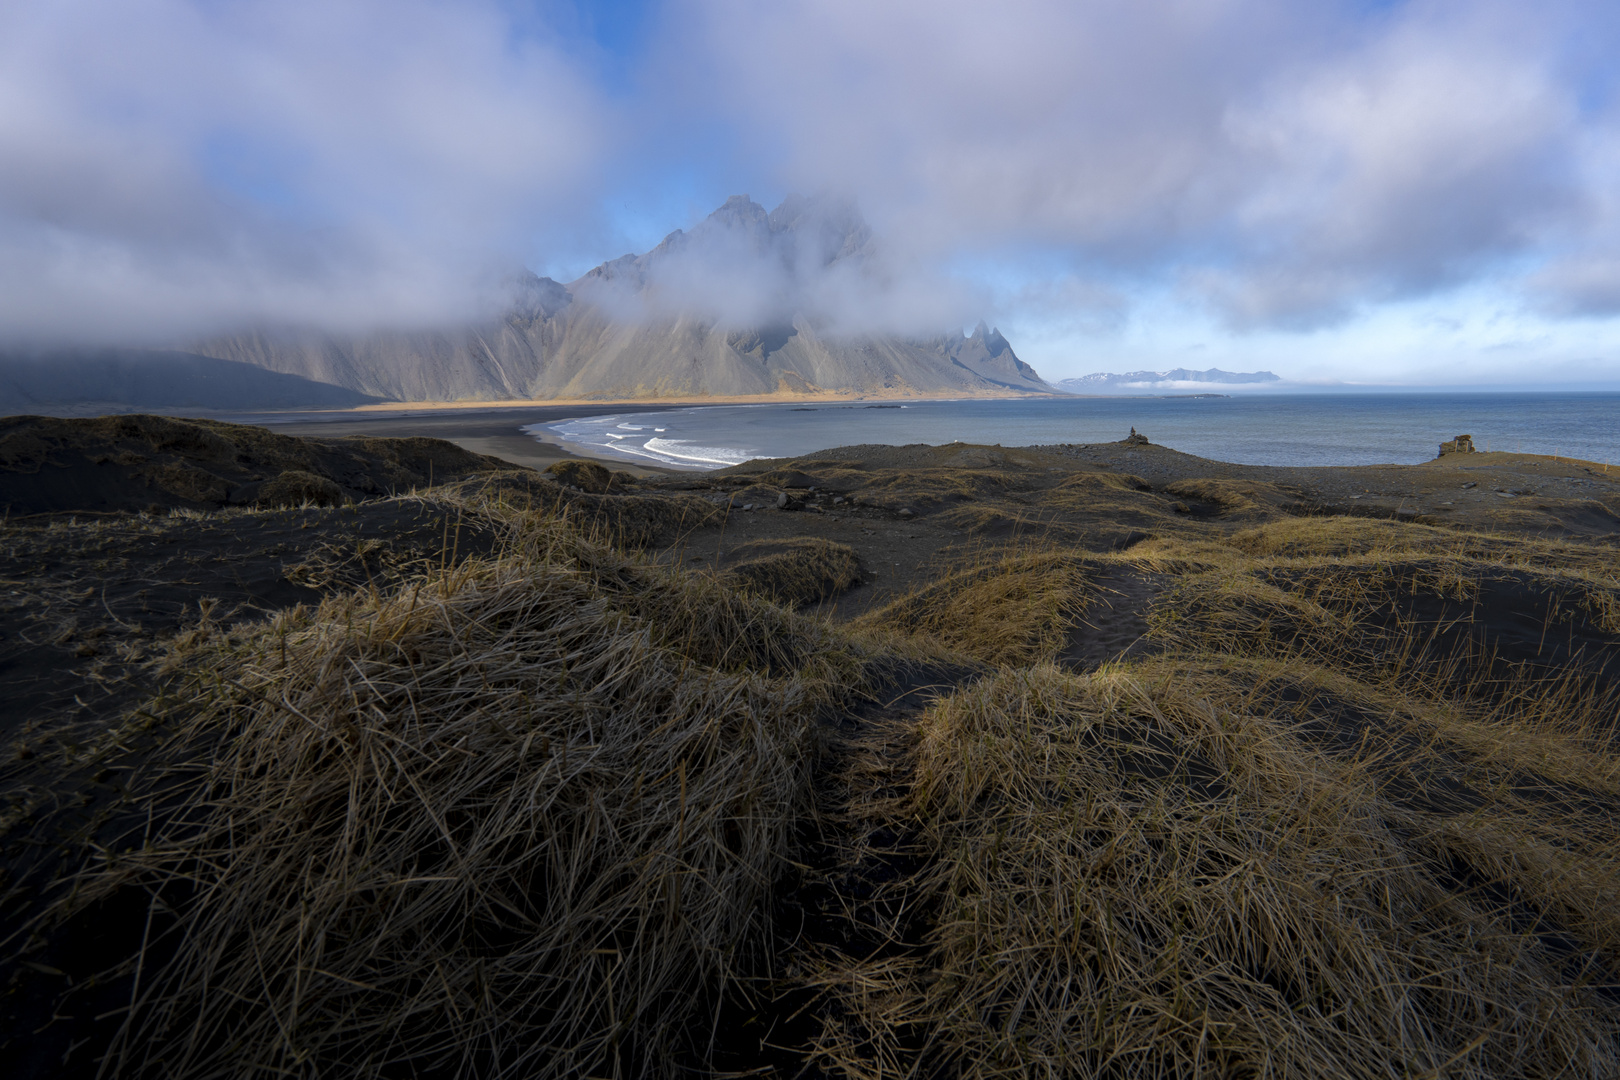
[[1293, 429]]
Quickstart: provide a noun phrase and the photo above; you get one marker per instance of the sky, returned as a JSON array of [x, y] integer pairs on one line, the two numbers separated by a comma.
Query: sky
[[1345, 192]]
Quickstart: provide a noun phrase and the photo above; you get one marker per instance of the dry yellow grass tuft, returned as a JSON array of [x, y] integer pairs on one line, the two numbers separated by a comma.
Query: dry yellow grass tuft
[[1228, 496], [522, 817], [794, 572], [627, 518], [1128, 880], [1009, 608], [1349, 811]]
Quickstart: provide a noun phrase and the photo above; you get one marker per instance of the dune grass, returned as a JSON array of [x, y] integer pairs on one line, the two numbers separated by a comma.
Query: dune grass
[[1128, 880], [546, 813], [794, 572], [1000, 607], [618, 515], [520, 817], [1353, 819]]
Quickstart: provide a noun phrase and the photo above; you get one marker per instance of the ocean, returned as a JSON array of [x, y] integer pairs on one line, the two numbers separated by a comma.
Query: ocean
[[1291, 429]]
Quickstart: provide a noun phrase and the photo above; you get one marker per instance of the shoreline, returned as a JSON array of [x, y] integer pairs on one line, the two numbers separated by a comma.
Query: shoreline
[[497, 432], [683, 401], [496, 427]]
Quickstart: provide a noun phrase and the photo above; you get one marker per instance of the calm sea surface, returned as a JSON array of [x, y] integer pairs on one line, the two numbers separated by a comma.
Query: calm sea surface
[[1302, 429]]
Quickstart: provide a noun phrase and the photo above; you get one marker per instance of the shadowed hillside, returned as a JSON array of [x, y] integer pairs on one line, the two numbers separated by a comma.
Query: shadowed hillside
[[92, 382], [130, 463]]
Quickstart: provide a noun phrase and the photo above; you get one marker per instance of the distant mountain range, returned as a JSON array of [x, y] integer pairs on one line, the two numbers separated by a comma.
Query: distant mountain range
[[635, 328], [1104, 381]]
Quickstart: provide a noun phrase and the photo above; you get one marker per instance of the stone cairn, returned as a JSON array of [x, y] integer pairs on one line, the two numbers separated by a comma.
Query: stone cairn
[[1134, 439], [1462, 444]]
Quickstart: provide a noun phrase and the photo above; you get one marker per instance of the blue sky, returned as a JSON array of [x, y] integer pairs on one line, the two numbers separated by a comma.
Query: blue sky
[[1423, 192]]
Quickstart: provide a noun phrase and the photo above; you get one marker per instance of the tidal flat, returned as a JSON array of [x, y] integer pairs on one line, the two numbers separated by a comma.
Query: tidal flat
[[355, 756]]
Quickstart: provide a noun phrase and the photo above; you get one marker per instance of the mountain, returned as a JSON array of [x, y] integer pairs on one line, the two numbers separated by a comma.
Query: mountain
[[87, 382], [1103, 382], [745, 303]]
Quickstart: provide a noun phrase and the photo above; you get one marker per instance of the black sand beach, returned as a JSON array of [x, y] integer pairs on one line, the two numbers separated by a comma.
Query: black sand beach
[[497, 432], [918, 725]]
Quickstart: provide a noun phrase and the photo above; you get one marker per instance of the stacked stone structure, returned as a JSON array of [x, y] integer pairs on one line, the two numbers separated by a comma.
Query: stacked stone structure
[[1462, 444]]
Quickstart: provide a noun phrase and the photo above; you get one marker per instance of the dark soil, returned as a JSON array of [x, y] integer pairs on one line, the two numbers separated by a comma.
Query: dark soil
[[847, 901], [131, 463], [1114, 625], [1509, 628], [93, 584], [1515, 492], [86, 600], [88, 604]]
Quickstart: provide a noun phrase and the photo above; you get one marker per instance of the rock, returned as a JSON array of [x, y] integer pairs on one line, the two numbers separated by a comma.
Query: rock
[[907, 512], [794, 479], [1471, 484], [587, 476], [1136, 439], [295, 487], [1462, 444], [785, 501]]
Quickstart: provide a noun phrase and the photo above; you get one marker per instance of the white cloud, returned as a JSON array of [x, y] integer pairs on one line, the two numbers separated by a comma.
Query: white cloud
[[169, 166], [1285, 163], [1264, 176], [812, 258]]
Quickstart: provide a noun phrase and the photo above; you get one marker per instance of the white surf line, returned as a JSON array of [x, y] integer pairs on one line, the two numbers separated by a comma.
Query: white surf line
[[584, 443], [676, 452], [665, 452], [679, 452]]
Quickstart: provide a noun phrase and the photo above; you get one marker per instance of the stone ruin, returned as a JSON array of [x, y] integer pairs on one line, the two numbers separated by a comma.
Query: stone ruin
[[1462, 444]]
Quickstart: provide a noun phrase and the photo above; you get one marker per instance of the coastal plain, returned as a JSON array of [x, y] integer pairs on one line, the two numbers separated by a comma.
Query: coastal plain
[[382, 756]]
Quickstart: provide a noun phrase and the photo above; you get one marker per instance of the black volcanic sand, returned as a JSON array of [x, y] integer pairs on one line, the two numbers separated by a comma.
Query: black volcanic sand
[[496, 432], [91, 584], [126, 532], [86, 606], [1110, 497]]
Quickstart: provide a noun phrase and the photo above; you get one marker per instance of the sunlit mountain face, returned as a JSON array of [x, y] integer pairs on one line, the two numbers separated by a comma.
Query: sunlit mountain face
[[747, 303]]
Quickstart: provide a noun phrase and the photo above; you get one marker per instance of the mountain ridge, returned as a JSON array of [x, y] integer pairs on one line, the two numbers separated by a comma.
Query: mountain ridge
[[1103, 380], [72, 382], [636, 327]]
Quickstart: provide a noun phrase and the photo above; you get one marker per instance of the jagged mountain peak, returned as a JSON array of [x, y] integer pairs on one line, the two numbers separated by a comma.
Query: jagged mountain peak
[[994, 343], [826, 227], [801, 237], [746, 302], [538, 297], [739, 211]]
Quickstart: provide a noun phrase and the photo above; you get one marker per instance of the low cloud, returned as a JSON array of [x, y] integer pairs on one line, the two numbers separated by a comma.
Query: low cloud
[[810, 258], [172, 166], [1285, 164]]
